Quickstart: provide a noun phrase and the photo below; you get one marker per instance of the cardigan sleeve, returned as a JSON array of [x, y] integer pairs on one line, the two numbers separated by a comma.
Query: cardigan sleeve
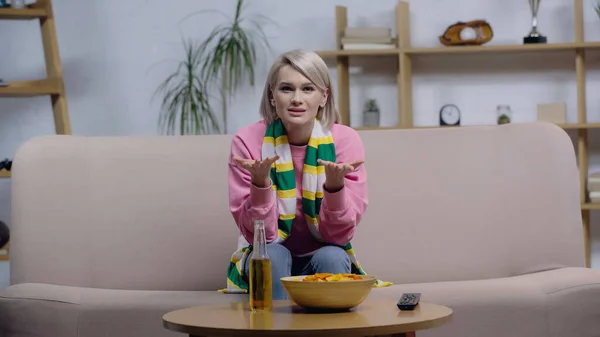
[[342, 211], [248, 202]]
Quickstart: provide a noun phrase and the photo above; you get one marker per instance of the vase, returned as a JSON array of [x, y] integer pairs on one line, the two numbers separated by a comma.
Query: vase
[[504, 114], [371, 118], [17, 4]]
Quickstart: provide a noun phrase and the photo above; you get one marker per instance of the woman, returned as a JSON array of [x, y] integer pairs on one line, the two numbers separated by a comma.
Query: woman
[[320, 179]]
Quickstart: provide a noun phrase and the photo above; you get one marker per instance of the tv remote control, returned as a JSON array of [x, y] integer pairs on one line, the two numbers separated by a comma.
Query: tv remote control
[[409, 301]]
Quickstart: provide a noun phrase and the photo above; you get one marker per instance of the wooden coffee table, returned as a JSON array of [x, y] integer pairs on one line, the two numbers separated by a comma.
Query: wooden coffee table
[[371, 318]]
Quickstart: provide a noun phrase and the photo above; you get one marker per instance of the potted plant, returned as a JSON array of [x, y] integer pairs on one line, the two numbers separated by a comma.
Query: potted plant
[[371, 113], [504, 114], [185, 107], [223, 61]]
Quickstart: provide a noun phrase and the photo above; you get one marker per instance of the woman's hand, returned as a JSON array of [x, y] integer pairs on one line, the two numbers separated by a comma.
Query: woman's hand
[[335, 173], [259, 169]]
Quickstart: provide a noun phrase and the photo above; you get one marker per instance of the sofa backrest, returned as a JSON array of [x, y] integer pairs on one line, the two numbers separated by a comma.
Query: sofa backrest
[[152, 212]]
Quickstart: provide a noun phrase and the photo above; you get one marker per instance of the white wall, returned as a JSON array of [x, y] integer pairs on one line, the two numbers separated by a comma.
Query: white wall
[[115, 52]]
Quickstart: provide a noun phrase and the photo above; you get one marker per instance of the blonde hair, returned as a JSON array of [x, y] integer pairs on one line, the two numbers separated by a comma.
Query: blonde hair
[[312, 67]]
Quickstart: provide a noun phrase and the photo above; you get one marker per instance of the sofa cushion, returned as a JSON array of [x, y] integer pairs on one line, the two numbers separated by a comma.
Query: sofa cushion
[[148, 213], [561, 302], [41, 310]]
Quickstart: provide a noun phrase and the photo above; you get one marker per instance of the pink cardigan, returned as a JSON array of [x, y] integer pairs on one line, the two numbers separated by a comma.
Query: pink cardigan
[[340, 211]]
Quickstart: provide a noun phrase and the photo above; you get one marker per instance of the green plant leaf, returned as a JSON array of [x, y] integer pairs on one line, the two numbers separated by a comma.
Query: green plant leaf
[[225, 60], [185, 106]]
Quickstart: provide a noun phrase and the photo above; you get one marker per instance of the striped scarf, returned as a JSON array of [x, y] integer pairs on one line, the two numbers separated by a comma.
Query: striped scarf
[[320, 146]]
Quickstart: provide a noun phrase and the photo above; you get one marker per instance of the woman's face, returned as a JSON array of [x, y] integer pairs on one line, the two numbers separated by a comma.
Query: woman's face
[[295, 98]]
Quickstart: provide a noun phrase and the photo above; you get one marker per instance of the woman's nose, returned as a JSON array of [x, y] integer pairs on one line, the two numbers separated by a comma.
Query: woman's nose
[[296, 97]]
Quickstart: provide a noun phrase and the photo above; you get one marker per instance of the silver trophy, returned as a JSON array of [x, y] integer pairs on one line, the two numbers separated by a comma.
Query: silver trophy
[[534, 36]]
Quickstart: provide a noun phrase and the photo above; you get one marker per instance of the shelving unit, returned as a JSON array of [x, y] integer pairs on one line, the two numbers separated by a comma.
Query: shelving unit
[[23, 14], [405, 54], [32, 88], [53, 84]]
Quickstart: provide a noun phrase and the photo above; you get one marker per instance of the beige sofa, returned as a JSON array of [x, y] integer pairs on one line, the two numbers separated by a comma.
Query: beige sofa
[[111, 233]]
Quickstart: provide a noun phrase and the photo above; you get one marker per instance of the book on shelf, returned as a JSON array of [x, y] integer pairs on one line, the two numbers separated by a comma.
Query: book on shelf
[[367, 46], [361, 38], [593, 182], [382, 40], [595, 197], [367, 32]]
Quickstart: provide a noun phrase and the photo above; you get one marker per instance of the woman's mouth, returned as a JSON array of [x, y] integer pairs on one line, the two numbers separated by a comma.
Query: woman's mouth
[[296, 111]]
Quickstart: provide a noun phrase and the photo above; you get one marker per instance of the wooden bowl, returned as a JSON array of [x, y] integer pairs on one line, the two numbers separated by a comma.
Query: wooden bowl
[[331, 295]]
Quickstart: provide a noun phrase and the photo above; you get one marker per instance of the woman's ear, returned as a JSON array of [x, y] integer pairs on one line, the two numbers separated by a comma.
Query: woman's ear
[[325, 97], [271, 99]]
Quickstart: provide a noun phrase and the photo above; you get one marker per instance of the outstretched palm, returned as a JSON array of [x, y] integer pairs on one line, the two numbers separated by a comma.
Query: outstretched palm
[[259, 169], [335, 172]]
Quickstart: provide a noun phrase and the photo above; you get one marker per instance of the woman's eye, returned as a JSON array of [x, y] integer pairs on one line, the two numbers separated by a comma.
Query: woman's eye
[[309, 89], [285, 88]]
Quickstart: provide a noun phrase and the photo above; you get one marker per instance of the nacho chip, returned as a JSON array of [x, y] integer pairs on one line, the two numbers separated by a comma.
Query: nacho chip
[[328, 277]]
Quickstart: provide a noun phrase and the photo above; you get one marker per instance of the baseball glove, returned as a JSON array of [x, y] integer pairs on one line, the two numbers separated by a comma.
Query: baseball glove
[[452, 34]]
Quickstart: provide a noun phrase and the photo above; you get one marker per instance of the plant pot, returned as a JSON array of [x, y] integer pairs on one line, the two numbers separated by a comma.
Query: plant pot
[[503, 119], [371, 118], [504, 114]]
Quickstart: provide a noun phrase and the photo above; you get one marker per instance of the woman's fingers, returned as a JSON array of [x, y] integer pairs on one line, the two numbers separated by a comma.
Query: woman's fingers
[[346, 167], [269, 161], [357, 164], [273, 159], [244, 163], [254, 162]]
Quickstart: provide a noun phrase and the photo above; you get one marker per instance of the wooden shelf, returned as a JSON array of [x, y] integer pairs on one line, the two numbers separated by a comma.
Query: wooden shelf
[[531, 48], [567, 126], [53, 83], [406, 53], [580, 126], [361, 52], [31, 88], [498, 49], [370, 128], [590, 206], [22, 14]]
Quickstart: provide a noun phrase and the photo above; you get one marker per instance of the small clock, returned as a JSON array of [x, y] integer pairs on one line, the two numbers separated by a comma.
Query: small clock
[[449, 115]]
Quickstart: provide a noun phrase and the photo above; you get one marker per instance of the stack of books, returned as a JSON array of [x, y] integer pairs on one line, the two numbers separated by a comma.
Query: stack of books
[[593, 186], [361, 38]]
